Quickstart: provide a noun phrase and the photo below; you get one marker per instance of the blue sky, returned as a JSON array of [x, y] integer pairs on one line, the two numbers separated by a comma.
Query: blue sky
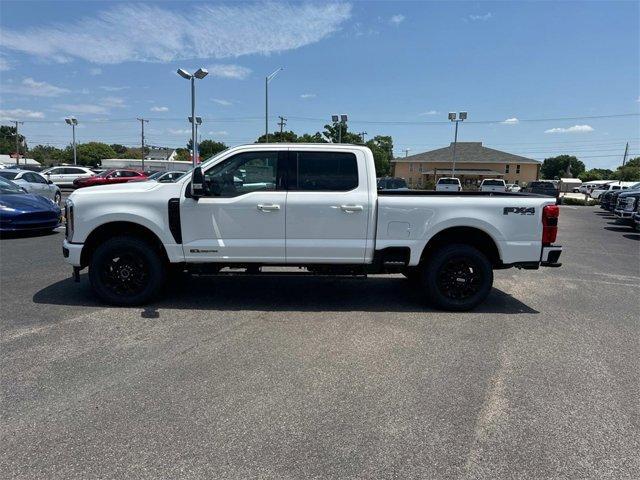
[[393, 67]]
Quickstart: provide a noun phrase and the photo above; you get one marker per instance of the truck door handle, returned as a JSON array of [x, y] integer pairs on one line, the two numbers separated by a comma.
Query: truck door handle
[[351, 208], [268, 208]]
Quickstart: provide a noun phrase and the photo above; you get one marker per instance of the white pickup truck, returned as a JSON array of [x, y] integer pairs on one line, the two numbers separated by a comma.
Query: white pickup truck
[[314, 206]]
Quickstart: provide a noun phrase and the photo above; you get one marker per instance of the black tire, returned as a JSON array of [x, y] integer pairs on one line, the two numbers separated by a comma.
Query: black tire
[[57, 198], [126, 271], [457, 277]]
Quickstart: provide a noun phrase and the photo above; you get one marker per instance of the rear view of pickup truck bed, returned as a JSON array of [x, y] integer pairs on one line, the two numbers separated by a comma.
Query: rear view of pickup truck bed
[[314, 206]]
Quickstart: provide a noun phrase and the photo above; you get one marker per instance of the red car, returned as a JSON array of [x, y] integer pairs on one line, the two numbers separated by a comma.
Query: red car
[[109, 177]]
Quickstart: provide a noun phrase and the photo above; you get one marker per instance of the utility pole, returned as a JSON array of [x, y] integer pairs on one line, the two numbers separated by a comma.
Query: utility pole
[[282, 123], [624, 159], [18, 143], [362, 134], [462, 118], [142, 122]]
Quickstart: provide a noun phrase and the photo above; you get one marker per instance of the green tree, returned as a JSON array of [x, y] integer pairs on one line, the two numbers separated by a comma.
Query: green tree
[[120, 150], [596, 174], [556, 167], [183, 155], [277, 137], [630, 172], [311, 138], [336, 133], [8, 141], [46, 154], [382, 148], [206, 149], [93, 152]]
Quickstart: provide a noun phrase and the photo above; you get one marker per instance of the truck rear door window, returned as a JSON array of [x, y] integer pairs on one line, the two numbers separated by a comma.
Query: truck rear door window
[[323, 171]]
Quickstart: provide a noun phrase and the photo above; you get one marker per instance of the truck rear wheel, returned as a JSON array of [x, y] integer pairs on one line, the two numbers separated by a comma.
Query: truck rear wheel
[[126, 271], [457, 277]]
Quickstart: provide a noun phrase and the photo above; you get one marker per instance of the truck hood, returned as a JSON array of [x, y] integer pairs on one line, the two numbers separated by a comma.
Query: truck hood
[[130, 188]]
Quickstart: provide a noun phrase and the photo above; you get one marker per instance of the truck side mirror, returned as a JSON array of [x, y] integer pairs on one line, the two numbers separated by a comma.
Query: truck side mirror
[[197, 183]]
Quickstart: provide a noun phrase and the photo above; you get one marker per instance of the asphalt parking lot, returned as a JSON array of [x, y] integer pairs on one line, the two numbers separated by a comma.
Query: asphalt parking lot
[[262, 377]]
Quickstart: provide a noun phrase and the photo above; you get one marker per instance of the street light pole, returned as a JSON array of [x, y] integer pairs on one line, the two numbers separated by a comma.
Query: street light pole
[[142, 122], [18, 144], [73, 122], [268, 79], [452, 117], [199, 74]]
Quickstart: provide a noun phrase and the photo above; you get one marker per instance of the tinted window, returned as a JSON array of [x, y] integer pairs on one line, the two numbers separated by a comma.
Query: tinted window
[[75, 171], [494, 182], [324, 171], [448, 181], [8, 175], [243, 173], [127, 173], [37, 178]]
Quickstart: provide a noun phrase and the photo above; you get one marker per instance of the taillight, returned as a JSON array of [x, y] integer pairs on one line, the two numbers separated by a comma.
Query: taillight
[[550, 214]]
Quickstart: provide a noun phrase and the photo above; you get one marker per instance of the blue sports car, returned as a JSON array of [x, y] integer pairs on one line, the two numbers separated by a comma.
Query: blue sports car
[[22, 211]]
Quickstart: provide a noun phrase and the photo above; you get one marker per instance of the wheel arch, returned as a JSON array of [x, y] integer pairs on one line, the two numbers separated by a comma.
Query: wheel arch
[[473, 236], [109, 230]]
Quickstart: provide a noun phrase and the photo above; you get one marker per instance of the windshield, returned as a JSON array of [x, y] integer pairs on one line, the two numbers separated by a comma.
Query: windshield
[[494, 182], [7, 187], [155, 176], [448, 181], [8, 175]]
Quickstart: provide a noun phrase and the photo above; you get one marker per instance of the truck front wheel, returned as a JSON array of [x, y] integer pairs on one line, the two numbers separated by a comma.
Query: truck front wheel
[[126, 271], [457, 277]]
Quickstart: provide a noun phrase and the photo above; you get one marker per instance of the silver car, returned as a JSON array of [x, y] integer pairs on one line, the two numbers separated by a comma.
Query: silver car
[[33, 182]]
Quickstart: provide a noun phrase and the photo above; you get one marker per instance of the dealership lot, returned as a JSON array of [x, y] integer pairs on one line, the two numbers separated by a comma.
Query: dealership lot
[[283, 377]]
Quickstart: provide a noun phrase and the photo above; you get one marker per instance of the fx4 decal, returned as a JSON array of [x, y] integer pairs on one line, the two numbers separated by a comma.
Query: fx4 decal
[[519, 210]]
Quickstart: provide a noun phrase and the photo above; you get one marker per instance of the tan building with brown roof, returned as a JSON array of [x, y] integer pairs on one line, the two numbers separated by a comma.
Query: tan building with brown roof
[[474, 162]]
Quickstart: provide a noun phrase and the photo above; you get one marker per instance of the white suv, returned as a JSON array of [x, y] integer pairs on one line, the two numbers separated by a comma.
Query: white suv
[[64, 176], [493, 185], [448, 185]]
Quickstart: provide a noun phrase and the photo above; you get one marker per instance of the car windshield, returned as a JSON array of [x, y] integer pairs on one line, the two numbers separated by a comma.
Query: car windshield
[[8, 175], [7, 187], [448, 181], [155, 176], [494, 182]]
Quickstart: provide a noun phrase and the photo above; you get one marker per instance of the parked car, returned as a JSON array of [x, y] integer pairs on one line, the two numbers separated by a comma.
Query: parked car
[[588, 187], [542, 188], [64, 176], [616, 185], [448, 185], [310, 206], [22, 211], [513, 187], [493, 185], [626, 204], [392, 183], [636, 216], [165, 177], [109, 177], [34, 183], [607, 201]]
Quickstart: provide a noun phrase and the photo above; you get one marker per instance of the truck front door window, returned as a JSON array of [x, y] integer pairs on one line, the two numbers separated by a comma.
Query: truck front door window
[[243, 173]]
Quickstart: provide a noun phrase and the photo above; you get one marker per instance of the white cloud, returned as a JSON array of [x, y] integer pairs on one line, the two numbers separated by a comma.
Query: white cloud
[[153, 33], [112, 102], [223, 102], [159, 109], [112, 89], [30, 87], [482, 18], [4, 64], [19, 113], [83, 108], [219, 133], [95, 71], [308, 95], [397, 19], [179, 131], [429, 112], [511, 121], [574, 129], [236, 72]]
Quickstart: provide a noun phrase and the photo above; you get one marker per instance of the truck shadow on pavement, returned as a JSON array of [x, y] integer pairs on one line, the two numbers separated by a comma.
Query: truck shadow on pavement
[[305, 294]]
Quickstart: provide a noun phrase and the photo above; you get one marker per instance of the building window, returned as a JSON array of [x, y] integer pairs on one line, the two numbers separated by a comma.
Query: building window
[[506, 168], [517, 168], [411, 167], [411, 181]]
